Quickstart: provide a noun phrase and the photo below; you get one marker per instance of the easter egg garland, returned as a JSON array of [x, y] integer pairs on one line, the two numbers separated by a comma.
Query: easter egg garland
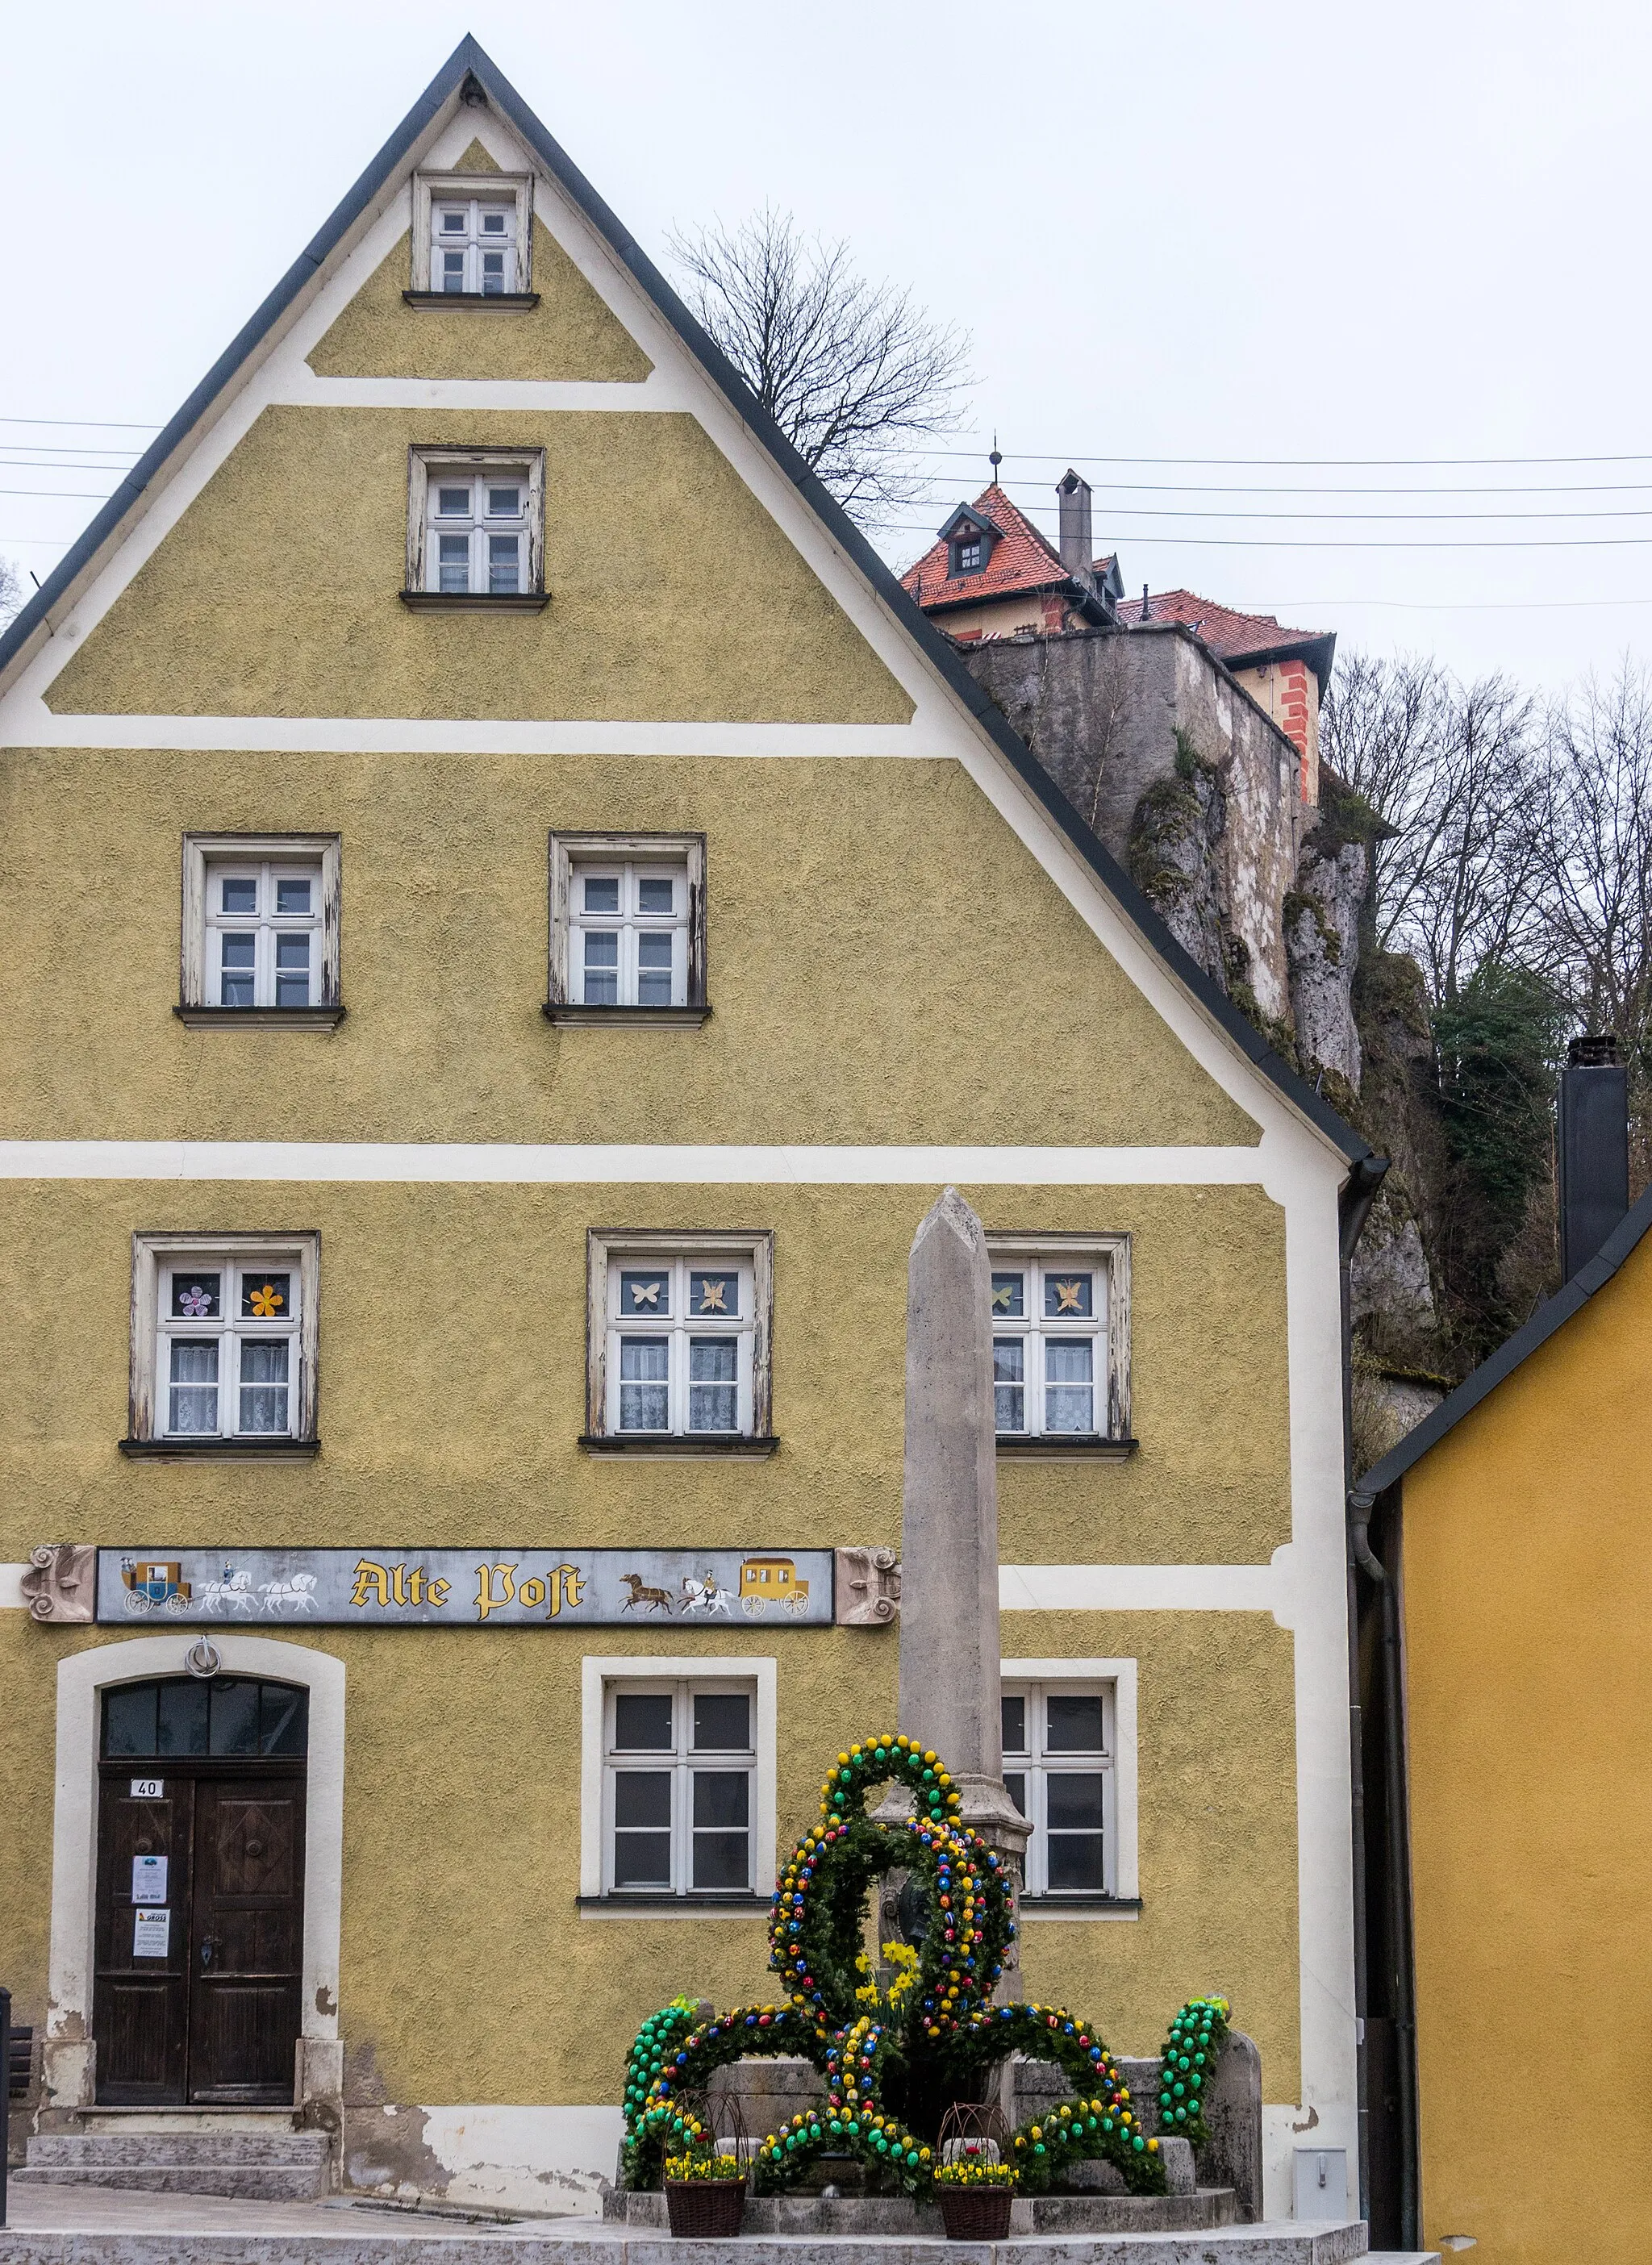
[[943, 2030]]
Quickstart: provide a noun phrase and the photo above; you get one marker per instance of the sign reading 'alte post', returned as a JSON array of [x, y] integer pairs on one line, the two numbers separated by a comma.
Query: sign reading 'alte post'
[[471, 1588]]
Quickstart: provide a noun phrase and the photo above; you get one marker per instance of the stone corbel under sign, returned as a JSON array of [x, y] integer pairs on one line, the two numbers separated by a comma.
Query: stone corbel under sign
[[866, 1587], [62, 1582]]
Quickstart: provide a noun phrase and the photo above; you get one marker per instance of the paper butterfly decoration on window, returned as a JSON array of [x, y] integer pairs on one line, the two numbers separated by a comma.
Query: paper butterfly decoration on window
[[1068, 1295], [712, 1298], [195, 1300], [644, 1294], [267, 1302]]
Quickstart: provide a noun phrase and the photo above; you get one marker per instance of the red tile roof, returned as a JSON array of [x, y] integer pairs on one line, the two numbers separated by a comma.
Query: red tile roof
[[1020, 560], [1227, 632]]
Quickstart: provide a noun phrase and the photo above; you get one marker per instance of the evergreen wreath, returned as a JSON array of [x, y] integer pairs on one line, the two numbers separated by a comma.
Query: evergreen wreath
[[891, 2063]]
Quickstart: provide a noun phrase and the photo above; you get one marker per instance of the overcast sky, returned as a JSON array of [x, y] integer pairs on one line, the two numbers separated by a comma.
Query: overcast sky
[[1186, 233]]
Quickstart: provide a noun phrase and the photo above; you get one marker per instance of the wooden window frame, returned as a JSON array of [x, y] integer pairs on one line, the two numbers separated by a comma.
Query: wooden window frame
[[1107, 1254], [152, 1251], [200, 853], [607, 1247], [423, 463], [569, 850], [1117, 1680], [679, 1761], [429, 190]]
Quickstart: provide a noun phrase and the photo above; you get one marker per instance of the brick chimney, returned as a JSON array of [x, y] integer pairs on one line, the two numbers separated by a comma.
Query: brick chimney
[[1594, 1149]]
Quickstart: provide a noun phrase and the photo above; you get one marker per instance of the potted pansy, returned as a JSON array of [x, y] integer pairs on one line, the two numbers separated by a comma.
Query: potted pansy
[[705, 2191]]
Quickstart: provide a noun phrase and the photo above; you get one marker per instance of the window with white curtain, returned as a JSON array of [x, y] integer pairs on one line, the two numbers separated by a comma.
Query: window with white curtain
[[1060, 1316], [473, 244]]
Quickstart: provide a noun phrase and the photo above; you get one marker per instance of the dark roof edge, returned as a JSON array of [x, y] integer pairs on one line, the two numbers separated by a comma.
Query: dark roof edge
[[355, 201], [468, 58], [1317, 647], [1550, 1316]]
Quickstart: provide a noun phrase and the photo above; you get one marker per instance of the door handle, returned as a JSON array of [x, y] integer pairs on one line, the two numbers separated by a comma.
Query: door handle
[[207, 1947]]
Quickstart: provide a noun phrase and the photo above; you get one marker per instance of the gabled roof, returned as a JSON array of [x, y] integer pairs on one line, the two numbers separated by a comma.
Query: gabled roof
[[1242, 640], [1022, 560], [469, 61], [968, 515], [1550, 1316]]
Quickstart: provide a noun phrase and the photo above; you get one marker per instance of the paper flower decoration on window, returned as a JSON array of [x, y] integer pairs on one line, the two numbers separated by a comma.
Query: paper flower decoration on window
[[195, 1300], [267, 1302]]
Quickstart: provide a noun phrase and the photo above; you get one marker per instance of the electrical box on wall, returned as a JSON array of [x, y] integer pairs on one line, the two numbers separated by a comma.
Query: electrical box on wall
[[1321, 2185]]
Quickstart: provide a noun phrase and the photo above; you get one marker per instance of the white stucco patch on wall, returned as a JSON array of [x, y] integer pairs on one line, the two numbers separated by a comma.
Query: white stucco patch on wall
[[554, 2160]]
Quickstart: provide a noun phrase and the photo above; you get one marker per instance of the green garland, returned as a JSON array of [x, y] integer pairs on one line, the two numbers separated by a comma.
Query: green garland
[[938, 2030], [1196, 2037]]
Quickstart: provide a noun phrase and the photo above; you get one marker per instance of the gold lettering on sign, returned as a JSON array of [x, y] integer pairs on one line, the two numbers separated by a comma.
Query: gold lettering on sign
[[373, 1584], [437, 1592], [416, 1585], [486, 1600], [398, 1586], [565, 1583], [531, 1593]]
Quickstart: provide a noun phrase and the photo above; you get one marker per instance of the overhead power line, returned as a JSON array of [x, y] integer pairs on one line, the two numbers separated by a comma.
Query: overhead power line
[[1272, 463]]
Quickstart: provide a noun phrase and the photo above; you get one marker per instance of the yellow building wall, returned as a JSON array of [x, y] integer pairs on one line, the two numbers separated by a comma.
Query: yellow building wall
[[451, 1364], [858, 993], [1529, 1675], [672, 592]]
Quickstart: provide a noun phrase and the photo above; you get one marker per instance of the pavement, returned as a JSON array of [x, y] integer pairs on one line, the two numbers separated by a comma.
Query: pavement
[[97, 2225]]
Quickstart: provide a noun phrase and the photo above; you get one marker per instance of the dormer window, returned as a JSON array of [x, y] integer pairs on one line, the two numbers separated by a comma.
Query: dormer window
[[969, 547]]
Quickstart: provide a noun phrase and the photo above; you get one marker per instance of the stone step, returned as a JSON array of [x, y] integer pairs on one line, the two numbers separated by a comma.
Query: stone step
[[242, 2181], [884, 2218], [182, 2147]]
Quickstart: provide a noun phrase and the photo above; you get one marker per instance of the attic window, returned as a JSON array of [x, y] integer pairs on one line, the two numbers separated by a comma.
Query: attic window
[[475, 528], [472, 239], [971, 550]]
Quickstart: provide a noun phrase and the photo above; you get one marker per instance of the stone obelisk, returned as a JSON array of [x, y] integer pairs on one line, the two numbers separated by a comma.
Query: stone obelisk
[[949, 1592]]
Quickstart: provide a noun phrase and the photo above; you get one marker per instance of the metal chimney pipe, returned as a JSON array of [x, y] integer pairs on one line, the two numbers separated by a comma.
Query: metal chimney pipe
[[1594, 1149], [1072, 494]]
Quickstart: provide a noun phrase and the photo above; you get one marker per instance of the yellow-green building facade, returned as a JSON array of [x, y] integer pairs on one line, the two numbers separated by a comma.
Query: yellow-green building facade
[[418, 620]]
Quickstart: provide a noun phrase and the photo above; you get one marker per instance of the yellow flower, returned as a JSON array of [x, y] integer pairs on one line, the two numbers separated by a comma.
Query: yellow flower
[[267, 1302]]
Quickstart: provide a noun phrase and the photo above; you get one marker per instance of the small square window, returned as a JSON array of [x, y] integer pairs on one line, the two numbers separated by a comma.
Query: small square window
[[224, 1339], [475, 525], [680, 1340], [260, 927], [628, 925], [472, 235]]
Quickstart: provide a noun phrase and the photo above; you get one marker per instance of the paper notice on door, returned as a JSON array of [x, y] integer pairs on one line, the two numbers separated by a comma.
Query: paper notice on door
[[149, 1879], [151, 1933]]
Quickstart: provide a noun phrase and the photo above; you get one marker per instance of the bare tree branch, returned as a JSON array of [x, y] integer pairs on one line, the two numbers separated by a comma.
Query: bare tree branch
[[11, 592], [853, 373]]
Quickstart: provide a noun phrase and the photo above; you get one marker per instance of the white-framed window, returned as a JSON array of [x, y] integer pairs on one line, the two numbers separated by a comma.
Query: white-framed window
[[679, 1779], [1069, 1743], [476, 523], [260, 932], [680, 1764], [1060, 1317], [223, 1339], [627, 927], [679, 1340], [472, 235]]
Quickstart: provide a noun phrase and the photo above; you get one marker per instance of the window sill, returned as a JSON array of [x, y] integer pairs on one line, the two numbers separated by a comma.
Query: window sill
[[1078, 1906], [644, 1906], [476, 602], [1075, 1447], [687, 1443], [505, 302], [222, 1451], [641, 1018], [260, 1018]]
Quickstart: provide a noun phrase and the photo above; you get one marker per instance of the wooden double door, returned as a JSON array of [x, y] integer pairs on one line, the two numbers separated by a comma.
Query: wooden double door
[[198, 1957]]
